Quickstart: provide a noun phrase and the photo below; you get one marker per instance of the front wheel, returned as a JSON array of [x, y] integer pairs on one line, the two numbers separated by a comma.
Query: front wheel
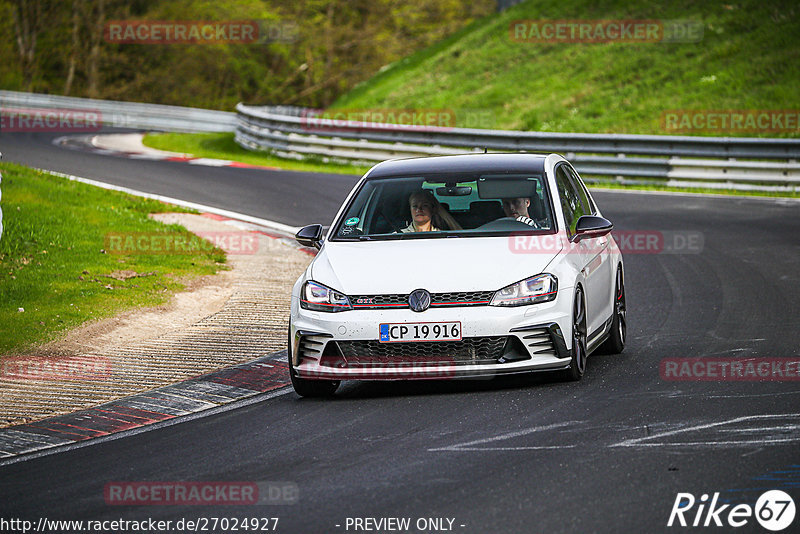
[[577, 365], [305, 387], [619, 326]]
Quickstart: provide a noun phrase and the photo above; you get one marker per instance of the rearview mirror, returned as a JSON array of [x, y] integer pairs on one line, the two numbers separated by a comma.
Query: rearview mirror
[[454, 191], [310, 236], [589, 226]]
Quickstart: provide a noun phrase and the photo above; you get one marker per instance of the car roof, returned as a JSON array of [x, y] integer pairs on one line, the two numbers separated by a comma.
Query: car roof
[[461, 163]]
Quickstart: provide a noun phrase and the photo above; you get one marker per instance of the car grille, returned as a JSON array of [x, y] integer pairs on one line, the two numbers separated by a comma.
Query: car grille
[[441, 300], [466, 351]]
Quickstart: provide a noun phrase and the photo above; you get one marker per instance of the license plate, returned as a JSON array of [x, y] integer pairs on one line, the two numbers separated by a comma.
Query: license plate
[[407, 332]]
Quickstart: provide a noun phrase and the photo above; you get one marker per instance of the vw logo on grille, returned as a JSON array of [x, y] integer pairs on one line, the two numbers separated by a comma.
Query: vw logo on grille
[[419, 300]]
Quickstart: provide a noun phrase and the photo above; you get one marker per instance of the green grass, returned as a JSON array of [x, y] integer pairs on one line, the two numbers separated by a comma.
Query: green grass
[[222, 146], [749, 58], [53, 262]]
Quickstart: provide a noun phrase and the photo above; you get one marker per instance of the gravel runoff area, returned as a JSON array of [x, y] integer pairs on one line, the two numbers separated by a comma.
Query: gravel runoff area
[[221, 320]]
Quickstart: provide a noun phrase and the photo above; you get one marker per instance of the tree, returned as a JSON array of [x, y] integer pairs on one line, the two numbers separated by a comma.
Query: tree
[[77, 8], [27, 24], [97, 21]]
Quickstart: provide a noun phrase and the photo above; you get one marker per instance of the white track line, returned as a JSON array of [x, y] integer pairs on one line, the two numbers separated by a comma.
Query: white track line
[[276, 226], [469, 446], [637, 442], [108, 144], [272, 225]]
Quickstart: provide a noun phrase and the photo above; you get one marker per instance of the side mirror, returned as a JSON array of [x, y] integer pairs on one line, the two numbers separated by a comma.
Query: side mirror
[[310, 236], [590, 226]]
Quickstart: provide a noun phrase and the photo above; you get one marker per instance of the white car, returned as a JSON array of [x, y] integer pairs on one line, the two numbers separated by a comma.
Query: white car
[[457, 266]]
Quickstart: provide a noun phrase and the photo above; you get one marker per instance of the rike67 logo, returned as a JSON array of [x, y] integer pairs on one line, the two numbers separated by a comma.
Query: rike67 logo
[[774, 510]]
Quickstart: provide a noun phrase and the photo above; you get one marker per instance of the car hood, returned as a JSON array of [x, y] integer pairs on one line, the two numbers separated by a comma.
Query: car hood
[[438, 265]]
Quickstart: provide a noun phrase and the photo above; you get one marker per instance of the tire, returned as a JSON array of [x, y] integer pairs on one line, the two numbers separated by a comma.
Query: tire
[[619, 324], [577, 365], [305, 387]]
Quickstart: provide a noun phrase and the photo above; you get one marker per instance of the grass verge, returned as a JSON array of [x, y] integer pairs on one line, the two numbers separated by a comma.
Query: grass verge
[[53, 262], [222, 146], [747, 59]]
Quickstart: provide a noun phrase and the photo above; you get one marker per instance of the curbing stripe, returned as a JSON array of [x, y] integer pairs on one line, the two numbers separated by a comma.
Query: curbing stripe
[[183, 401], [90, 144], [231, 387], [193, 396]]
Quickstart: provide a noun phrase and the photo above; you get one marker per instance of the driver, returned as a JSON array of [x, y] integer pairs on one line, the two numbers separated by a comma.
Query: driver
[[428, 215], [517, 208]]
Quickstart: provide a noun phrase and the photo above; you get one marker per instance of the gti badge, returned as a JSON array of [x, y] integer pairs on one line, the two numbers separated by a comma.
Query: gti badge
[[419, 300]]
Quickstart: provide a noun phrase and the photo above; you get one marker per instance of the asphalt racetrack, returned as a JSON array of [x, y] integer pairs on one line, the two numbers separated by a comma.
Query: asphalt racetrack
[[518, 454]]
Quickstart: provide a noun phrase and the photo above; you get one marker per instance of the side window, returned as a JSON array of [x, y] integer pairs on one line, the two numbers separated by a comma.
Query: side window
[[586, 200], [570, 200]]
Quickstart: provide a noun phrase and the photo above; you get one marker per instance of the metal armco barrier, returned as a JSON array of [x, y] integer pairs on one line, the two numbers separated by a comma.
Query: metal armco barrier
[[296, 133], [289, 131], [124, 114]]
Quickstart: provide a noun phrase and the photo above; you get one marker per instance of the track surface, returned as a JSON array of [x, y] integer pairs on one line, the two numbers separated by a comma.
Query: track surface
[[521, 454], [283, 196]]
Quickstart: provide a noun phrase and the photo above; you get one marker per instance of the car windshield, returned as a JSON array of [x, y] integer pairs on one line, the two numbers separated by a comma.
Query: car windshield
[[448, 205]]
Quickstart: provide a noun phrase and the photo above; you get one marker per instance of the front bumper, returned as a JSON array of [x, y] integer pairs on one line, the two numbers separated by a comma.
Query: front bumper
[[496, 341]]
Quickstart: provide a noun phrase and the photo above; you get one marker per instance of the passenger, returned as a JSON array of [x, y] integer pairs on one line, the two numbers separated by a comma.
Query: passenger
[[517, 208], [428, 215]]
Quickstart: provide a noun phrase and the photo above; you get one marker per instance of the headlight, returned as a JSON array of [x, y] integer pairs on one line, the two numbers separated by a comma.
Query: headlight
[[317, 297], [539, 288]]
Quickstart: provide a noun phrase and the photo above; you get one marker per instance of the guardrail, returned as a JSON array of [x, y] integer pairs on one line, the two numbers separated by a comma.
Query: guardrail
[[124, 114], [738, 162], [731, 162]]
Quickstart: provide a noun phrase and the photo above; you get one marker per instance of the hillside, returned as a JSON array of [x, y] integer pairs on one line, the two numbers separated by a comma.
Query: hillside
[[748, 59], [307, 52]]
